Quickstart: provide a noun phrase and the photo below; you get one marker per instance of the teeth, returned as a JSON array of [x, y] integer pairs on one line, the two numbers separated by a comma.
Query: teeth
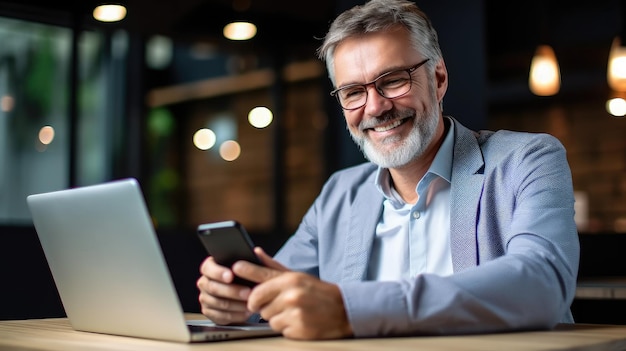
[[389, 126]]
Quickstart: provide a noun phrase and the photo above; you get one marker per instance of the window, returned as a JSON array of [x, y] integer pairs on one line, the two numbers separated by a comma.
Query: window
[[38, 135]]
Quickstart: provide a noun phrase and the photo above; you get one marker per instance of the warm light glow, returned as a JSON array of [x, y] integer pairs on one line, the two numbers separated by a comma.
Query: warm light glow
[[545, 78], [109, 13], [616, 71], [616, 107], [204, 139], [230, 150], [260, 117], [46, 135], [239, 30], [7, 103]]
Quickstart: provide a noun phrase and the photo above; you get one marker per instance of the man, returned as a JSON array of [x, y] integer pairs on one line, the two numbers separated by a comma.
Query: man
[[446, 231]]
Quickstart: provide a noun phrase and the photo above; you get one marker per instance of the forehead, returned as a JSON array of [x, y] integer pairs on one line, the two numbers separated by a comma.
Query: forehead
[[362, 58]]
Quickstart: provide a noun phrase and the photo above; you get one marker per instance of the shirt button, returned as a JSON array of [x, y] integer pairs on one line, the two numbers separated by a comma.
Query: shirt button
[[416, 214]]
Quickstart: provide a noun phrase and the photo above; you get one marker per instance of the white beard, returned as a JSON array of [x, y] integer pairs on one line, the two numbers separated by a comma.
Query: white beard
[[412, 147]]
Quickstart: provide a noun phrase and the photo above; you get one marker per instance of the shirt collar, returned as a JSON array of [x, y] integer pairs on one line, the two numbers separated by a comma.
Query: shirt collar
[[441, 166]]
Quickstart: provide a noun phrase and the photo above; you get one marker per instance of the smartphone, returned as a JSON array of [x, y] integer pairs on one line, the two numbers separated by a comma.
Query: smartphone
[[228, 242]]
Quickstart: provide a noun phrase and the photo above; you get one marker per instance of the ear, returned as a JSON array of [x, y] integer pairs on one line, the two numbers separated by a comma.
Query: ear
[[441, 77]]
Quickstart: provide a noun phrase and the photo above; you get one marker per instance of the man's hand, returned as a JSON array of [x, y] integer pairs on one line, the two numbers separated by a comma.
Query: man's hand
[[298, 305], [220, 300]]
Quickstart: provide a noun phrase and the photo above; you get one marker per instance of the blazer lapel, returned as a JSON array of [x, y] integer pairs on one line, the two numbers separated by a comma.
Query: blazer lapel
[[465, 192], [365, 213]]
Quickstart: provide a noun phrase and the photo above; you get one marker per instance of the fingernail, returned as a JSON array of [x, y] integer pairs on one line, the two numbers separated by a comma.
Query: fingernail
[[244, 293], [227, 276]]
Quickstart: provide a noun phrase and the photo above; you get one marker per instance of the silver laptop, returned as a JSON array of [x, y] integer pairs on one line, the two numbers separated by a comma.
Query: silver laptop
[[109, 269]]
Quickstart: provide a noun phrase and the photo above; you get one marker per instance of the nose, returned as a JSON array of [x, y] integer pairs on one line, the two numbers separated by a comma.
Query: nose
[[376, 103]]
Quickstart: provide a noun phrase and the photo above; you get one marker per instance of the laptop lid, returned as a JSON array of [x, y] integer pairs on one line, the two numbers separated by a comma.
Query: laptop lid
[[108, 266]]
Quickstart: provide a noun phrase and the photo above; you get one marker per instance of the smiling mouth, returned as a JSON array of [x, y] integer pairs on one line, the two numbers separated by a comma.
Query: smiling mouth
[[390, 126]]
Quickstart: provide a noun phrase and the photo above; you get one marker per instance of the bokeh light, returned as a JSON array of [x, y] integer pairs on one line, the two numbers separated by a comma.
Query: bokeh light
[[616, 107], [240, 31], [260, 117], [46, 135], [204, 139], [7, 103], [109, 13], [230, 150]]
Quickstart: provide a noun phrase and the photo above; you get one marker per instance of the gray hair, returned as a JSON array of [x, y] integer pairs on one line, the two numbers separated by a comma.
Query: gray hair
[[378, 16]]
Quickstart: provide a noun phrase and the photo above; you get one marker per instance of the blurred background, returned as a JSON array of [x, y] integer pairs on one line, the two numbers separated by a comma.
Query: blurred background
[[215, 128]]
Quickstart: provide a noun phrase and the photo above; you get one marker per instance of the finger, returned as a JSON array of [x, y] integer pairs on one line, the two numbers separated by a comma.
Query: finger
[[268, 298], [212, 302], [214, 271], [226, 318], [223, 290], [268, 261], [223, 311], [254, 272]]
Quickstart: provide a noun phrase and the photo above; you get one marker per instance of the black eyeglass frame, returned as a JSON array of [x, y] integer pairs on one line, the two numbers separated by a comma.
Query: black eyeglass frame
[[409, 70]]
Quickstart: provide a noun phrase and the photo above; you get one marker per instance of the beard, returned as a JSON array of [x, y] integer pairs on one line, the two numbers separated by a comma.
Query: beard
[[413, 146]]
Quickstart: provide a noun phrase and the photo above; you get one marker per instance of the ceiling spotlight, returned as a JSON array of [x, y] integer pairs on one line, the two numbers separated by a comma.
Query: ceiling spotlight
[[109, 12], [240, 31]]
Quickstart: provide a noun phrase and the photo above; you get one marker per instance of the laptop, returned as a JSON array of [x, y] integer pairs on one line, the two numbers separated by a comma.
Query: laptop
[[109, 269]]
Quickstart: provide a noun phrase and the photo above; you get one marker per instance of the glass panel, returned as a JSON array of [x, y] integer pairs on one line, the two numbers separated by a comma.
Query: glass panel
[[34, 64], [101, 102], [35, 138]]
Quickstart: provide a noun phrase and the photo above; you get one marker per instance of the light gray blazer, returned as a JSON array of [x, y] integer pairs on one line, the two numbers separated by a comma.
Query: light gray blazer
[[514, 241]]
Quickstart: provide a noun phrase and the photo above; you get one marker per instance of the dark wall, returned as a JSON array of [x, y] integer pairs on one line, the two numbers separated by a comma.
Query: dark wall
[[27, 289], [460, 25], [602, 255]]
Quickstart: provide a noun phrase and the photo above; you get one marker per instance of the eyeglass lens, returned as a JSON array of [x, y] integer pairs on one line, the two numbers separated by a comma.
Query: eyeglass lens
[[389, 85]]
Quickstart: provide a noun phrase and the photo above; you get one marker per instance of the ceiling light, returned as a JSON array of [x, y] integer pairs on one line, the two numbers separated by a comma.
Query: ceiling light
[[109, 12], [239, 30]]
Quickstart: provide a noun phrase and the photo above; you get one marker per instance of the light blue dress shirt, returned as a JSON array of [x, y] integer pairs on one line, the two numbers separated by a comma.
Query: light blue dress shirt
[[415, 238]]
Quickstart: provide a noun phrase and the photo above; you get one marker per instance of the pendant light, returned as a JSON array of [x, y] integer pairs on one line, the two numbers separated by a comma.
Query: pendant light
[[545, 77], [616, 71]]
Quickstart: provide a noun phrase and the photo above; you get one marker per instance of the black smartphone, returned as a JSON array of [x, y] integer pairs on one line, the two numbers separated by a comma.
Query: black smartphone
[[228, 242]]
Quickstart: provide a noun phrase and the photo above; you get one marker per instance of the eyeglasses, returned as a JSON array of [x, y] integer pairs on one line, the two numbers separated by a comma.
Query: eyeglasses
[[390, 85]]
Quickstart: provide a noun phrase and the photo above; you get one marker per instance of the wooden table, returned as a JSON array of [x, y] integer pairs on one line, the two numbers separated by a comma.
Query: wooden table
[[56, 334]]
